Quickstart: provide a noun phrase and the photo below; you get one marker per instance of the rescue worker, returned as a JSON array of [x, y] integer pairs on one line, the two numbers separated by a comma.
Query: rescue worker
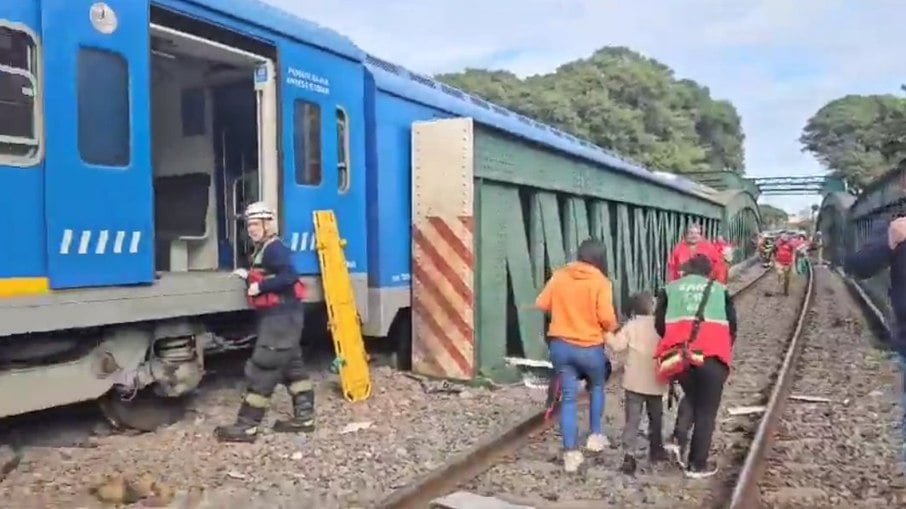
[[275, 291], [725, 250], [802, 246], [693, 243], [695, 298], [818, 244], [784, 256], [579, 298], [766, 250]]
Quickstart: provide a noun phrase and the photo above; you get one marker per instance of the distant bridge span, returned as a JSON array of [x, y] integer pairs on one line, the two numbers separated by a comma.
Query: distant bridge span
[[812, 184]]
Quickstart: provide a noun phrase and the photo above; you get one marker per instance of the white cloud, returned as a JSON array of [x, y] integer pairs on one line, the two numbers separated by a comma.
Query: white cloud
[[776, 60]]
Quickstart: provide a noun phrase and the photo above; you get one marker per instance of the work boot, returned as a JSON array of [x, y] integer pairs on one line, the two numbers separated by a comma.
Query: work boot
[[303, 419], [245, 429], [629, 465]]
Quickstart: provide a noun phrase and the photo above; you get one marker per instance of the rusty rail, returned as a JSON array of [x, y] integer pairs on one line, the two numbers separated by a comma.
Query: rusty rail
[[471, 463], [745, 492]]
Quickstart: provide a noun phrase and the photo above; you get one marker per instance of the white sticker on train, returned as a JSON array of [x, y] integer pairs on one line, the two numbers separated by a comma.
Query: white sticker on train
[[307, 80]]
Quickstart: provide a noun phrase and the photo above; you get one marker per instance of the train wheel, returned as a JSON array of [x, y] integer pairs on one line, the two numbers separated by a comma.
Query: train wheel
[[145, 412]]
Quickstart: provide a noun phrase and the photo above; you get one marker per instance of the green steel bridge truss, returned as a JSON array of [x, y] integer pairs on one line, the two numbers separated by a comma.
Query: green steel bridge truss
[[533, 208]]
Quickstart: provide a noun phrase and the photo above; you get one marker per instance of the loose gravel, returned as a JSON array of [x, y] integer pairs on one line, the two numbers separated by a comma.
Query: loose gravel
[[404, 431], [535, 476], [846, 452]]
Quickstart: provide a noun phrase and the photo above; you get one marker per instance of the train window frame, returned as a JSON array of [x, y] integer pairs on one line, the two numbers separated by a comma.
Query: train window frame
[[303, 148], [34, 156], [129, 155], [344, 166]]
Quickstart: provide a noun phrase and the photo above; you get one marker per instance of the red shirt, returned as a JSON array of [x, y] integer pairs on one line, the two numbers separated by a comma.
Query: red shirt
[[785, 252], [682, 252]]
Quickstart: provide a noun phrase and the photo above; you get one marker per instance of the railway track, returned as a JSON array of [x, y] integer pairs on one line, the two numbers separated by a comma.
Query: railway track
[[513, 441], [837, 441]]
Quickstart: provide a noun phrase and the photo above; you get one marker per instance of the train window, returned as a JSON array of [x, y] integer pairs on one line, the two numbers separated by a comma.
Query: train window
[[342, 151], [307, 142], [103, 102], [20, 132]]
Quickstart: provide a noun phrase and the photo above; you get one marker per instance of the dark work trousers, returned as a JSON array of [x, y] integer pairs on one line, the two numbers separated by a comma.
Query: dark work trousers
[[654, 406], [703, 387], [277, 357]]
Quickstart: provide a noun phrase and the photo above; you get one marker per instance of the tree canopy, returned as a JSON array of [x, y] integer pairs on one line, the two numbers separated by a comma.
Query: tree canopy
[[858, 137], [625, 102], [772, 217]]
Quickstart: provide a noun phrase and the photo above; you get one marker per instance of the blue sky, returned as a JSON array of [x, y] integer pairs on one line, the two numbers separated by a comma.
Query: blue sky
[[778, 61]]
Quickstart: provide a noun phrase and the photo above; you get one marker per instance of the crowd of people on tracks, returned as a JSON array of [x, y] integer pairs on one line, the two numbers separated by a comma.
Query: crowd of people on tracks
[[787, 252], [682, 335]]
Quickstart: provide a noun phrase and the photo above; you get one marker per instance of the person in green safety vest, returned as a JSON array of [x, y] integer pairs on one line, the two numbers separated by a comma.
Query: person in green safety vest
[[695, 314]]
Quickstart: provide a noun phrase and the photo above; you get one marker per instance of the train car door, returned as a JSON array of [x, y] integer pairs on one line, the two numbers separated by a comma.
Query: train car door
[[98, 197], [307, 113]]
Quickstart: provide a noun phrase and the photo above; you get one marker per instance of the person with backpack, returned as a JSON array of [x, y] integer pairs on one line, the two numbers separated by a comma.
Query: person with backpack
[[696, 320], [579, 299]]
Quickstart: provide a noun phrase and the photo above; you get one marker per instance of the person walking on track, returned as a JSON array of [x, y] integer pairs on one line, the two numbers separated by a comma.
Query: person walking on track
[[276, 293], [579, 299], [642, 390], [784, 257], [692, 244], [697, 323]]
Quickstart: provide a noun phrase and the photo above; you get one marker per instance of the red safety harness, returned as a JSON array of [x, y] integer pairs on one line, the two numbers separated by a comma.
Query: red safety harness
[[258, 273]]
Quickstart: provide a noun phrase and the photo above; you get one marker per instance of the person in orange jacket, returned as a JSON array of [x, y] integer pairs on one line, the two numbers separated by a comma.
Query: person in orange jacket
[[579, 299], [694, 243]]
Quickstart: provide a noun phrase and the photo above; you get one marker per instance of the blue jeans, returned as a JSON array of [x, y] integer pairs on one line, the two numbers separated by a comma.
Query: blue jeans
[[570, 362]]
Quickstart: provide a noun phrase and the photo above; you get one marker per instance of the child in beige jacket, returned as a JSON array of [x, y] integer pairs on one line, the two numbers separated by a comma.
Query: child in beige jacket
[[642, 389]]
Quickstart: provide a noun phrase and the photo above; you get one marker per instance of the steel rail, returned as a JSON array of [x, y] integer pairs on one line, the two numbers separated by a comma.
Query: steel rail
[[475, 461], [745, 493]]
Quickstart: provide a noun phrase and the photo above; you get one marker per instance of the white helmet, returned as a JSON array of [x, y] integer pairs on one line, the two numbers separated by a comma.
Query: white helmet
[[259, 210]]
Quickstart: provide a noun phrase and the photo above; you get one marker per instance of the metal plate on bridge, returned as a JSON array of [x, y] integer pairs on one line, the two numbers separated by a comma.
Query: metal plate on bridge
[[467, 500]]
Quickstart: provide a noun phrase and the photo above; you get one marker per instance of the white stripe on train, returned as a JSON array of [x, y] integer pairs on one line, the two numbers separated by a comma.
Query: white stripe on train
[[101, 243], [299, 241]]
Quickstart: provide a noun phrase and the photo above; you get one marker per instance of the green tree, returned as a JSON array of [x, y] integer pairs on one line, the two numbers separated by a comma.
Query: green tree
[[625, 102], [858, 137], [772, 217]]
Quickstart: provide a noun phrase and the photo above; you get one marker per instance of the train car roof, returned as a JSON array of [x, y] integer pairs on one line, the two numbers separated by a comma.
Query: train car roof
[[285, 23], [399, 81]]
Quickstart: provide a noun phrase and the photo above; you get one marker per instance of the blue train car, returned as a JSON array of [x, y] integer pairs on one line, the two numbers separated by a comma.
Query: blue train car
[[134, 133]]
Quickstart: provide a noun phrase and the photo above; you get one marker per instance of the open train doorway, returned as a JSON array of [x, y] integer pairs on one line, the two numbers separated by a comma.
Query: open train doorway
[[210, 139]]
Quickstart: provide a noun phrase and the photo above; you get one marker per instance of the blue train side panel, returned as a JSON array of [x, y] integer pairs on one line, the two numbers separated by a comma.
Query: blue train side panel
[[372, 171], [391, 182], [22, 178], [322, 87]]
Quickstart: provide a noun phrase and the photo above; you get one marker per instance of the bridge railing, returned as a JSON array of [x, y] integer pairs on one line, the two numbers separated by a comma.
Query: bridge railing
[[847, 223]]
